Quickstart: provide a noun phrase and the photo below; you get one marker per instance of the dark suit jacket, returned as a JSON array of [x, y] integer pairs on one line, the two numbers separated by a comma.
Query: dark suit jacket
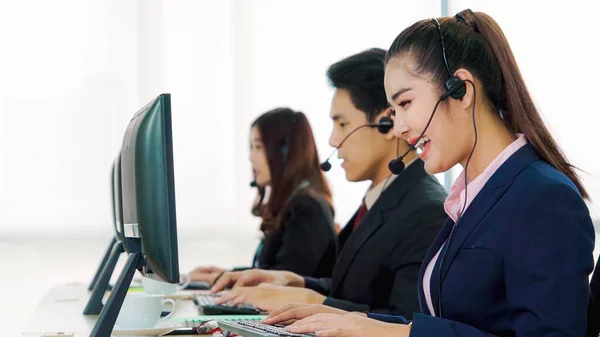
[[518, 261], [378, 265], [306, 241], [593, 318]]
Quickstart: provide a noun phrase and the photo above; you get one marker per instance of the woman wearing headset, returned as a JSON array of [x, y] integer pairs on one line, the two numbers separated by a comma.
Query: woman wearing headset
[[297, 216], [513, 258]]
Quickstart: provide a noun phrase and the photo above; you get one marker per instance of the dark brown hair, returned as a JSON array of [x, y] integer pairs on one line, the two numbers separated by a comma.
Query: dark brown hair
[[474, 41], [292, 158], [362, 76]]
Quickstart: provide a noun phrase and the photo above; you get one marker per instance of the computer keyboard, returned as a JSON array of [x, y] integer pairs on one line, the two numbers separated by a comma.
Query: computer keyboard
[[257, 329], [196, 285], [207, 303], [203, 300]]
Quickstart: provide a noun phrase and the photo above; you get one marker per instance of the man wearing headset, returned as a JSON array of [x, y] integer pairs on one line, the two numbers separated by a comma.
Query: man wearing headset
[[384, 243]]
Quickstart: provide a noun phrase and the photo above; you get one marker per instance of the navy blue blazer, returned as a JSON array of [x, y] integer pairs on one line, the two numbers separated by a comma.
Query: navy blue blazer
[[518, 262]]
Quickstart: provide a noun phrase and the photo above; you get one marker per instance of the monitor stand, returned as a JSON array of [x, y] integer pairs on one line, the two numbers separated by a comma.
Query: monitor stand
[[94, 304], [102, 263], [108, 316]]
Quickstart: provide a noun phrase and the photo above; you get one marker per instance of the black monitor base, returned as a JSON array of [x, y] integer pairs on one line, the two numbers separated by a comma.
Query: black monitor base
[[108, 316], [94, 304], [102, 264]]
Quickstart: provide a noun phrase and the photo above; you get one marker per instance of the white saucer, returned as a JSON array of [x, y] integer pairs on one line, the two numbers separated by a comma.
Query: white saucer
[[155, 331]]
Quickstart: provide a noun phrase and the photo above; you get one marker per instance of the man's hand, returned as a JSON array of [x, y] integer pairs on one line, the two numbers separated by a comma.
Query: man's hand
[[254, 277], [269, 297]]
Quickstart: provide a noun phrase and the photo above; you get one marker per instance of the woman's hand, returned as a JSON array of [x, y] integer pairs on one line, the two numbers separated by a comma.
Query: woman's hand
[[291, 313], [349, 325], [254, 277], [269, 297]]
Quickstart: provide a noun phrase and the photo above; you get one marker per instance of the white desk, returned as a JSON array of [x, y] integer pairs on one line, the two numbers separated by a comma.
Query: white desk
[[61, 310]]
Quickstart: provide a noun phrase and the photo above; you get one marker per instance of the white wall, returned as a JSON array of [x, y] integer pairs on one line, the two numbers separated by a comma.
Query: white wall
[[189, 49], [228, 62], [74, 72], [78, 70], [68, 84], [293, 44]]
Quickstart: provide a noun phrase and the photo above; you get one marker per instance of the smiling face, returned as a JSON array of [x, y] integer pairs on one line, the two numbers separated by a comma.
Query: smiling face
[[413, 97], [258, 159]]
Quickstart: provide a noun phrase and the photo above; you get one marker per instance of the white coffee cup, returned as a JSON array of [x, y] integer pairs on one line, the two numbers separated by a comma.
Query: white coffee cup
[[142, 311]]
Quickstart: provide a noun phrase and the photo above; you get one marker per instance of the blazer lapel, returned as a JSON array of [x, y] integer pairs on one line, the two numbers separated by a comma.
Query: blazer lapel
[[435, 246], [484, 202], [373, 220], [369, 225], [476, 211], [345, 234]]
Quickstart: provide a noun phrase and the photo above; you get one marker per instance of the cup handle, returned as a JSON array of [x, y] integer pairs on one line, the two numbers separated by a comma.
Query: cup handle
[[170, 301]]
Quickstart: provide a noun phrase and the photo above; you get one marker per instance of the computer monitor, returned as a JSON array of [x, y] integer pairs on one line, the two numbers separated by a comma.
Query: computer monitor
[[148, 205], [148, 192]]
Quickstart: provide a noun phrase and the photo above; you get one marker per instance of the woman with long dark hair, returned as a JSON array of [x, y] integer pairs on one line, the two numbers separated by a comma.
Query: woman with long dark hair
[[514, 256], [294, 199]]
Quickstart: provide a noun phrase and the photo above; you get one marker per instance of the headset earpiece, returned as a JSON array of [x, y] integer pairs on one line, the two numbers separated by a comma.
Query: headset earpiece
[[285, 148], [455, 88], [385, 125]]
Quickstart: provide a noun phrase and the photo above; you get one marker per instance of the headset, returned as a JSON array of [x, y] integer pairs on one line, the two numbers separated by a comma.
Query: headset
[[384, 126], [455, 88], [285, 148]]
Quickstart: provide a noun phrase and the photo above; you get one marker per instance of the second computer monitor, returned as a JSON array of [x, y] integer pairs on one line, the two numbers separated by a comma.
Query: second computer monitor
[[147, 189]]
